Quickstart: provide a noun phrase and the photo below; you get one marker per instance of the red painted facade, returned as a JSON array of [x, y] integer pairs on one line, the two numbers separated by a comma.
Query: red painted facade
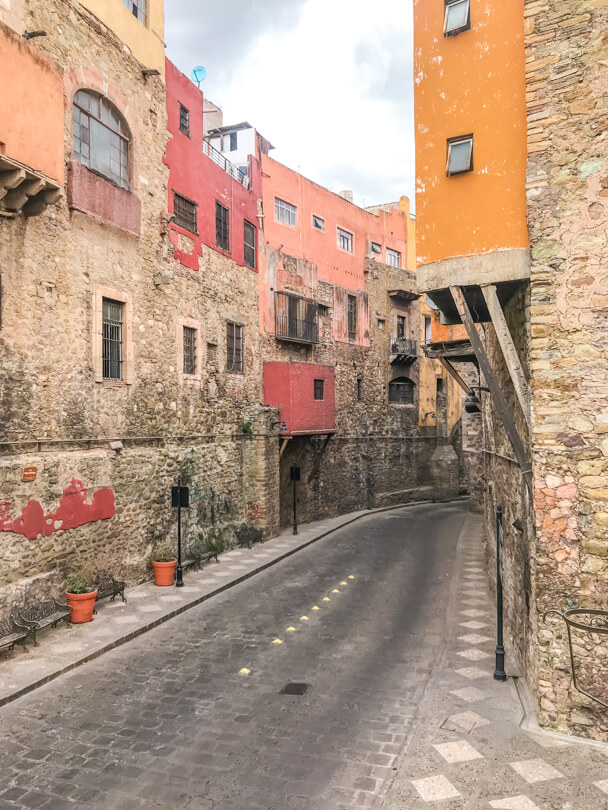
[[94, 195], [291, 388], [197, 177]]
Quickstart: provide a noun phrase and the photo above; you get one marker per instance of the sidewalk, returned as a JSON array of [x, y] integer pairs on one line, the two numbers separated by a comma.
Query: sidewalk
[[469, 748], [62, 649]]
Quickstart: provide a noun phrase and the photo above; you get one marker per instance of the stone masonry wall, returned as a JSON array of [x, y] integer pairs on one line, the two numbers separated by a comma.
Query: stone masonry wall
[[567, 54]]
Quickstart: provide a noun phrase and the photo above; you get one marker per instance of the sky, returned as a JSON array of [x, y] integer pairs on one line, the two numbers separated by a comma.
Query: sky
[[328, 82]]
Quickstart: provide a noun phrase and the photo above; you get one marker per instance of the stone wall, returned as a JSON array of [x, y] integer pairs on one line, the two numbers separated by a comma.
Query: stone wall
[[567, 216]]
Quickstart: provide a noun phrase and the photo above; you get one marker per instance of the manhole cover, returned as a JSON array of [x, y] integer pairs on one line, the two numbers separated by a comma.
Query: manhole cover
[[294, 689]]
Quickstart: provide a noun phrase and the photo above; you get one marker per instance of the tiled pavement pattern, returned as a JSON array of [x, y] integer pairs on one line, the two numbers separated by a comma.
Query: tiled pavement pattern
[[168, 720], [467, 751]]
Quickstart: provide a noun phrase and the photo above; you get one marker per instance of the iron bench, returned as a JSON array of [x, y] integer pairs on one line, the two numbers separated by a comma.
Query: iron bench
[[39, 615], [12, 633], [196, 559], [108, 586]]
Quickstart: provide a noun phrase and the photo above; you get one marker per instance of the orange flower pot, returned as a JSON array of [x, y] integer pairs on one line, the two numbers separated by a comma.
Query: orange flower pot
[[164, 572], [82, 604]]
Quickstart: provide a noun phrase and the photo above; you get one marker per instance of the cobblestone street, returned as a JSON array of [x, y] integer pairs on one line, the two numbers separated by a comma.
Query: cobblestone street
[[191, 715]]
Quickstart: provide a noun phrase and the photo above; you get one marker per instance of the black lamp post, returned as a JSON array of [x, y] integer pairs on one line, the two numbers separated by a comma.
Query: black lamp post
[[499, 668], [180, 496], [295, 476]]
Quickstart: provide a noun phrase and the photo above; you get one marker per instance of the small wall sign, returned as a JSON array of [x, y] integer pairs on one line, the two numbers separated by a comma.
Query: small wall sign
[[29, 473]]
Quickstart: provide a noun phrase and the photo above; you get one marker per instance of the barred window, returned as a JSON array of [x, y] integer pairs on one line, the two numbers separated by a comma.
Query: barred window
[[189, 350], [393, 258], [184, 120], [185, 213], [285, 212], [234, 347], [137, 8], [222, 226], [345, 240], [101, 137], [111, 351], [249, 242], [401, 391], [352, 317], [319, 389]]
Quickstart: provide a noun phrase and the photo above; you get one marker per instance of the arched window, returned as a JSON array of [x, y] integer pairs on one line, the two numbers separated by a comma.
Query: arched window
[[101, 137], [401, 391]]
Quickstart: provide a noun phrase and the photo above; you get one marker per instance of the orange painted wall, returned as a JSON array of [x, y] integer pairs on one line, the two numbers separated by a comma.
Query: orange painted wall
[[473, 82], [440, 332], [31, 123], [389, 228]]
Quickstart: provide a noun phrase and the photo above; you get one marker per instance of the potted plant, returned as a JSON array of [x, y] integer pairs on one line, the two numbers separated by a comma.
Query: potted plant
[[80, 594], [164, 563]]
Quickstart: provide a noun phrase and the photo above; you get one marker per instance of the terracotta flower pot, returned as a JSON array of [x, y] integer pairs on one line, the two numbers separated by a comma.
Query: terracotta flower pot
[[164, 572], [82, 605]]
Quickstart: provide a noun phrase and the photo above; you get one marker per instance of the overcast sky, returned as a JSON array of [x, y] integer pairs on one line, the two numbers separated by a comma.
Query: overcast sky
[[328, 82]]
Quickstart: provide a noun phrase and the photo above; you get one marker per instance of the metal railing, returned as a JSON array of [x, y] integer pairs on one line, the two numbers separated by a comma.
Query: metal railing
[[404, 346], [217, 157], [296, 318]]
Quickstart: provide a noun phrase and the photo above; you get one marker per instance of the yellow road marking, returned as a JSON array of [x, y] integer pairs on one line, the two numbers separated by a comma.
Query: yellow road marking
[[350, 576], [316, 607], [326, 599], [277, 641], [304, 618], [335, 590], [244, 671], [291, 629], [344, 582]]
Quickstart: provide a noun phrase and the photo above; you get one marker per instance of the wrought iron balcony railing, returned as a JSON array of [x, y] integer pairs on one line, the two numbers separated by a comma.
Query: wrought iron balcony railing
[[296, 318], [403, 350], [225, 164]]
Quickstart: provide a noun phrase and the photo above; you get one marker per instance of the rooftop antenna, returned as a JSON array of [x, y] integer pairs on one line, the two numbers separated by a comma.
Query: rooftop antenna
[[198, 75]]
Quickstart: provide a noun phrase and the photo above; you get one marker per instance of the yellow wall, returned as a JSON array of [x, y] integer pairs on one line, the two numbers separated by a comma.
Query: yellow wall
[[146, 42], [430, 371]]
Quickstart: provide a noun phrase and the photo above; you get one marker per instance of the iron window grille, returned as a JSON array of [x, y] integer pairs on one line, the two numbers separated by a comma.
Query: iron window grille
[[222, 226], [401, 391], [111, 340], [249, 236], [460, 155], [101, 137], [184, 120], [189, 350], [296, 318], [457, 17], [345, 240], [319, 389], [285, 212], [318, 222], [185, 213], [138, 8], [352, 317], [234, 347], [393, 258]]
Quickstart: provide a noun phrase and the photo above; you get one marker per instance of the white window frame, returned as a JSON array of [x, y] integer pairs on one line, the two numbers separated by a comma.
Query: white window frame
[[346, 240], [455, 142], [393, 258], [285, 212], [457, 29]]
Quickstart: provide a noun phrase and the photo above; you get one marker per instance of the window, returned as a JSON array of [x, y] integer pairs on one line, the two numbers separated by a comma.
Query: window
[[359, 389], [249, 242], [222, 226], [460, 155], [318, 222], [184, 120], [185, 212], [400, 326], [233, 141], [189, 350], [352, 317], [401, 391], [284, 212], [393, 258], [345, 240], [319, 389], [137, 9], [323, 310], [376, 248], [427, 330], [111, 346], [381, 324], [101, 137], [234, 347], [457, 17]]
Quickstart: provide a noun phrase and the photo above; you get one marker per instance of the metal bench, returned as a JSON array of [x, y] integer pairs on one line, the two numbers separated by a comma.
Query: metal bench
[[108, 586], [11, 633], [39, 615], [196, 559]]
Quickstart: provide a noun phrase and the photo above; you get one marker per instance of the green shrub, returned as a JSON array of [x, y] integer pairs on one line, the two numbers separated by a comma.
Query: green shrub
[[81, 581]]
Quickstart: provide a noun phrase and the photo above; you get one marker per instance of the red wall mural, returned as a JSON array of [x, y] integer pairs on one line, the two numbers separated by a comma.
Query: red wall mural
[[73, 511]]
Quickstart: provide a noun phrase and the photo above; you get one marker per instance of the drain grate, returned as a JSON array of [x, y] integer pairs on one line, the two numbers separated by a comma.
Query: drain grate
[[294, 689]]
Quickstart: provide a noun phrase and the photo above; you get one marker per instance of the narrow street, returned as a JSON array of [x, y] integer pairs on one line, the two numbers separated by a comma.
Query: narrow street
[[167, 720]]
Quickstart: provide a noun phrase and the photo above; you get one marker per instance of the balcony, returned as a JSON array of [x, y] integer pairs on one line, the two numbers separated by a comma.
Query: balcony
[[296, 318], [403, 350], [225, 164]]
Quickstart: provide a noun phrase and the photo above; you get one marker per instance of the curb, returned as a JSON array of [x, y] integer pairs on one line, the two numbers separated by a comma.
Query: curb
[[31, 687]]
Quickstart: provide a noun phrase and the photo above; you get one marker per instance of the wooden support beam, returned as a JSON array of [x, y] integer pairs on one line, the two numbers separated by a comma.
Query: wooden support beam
[[502, 408], [508, 349], [283, 446], [454, 374], [317, 464]]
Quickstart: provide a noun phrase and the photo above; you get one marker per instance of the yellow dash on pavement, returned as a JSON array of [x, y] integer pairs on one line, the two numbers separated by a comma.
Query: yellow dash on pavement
[[291, 629], [277, 641], [350, 576], [344, 582], [244, 671], [326, 599], [316, 607], [335, 590], [304, 618]]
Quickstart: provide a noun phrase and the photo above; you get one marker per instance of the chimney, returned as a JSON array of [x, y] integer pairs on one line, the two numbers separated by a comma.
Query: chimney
[[346, 195]]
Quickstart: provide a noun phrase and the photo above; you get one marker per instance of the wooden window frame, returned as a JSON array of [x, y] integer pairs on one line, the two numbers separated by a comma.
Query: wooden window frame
[[252, 247], [453, 142], [222, 227], [184, 120], [352, 316], [346, 236], [183, 221], [232, 366], [454, 31], [120, 297], [319, 388], [402, 381]]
